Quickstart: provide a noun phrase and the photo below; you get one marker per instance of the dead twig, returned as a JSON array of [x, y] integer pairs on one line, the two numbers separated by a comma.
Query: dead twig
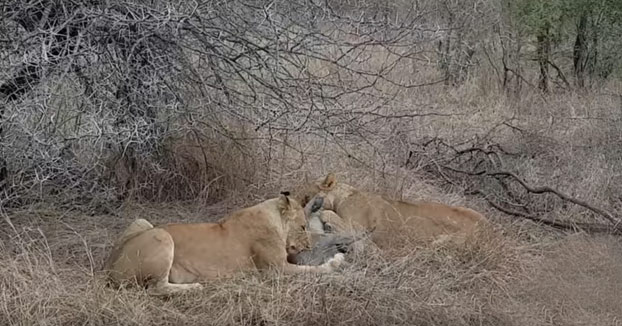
[[546, 189], [573, 226], [479, 162]]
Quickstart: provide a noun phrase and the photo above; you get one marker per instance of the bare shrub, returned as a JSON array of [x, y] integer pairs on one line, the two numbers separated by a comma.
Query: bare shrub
[[121, 78], [187, 168]]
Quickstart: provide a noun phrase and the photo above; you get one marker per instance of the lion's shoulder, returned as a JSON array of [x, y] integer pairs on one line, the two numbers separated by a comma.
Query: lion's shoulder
[[266, 213]]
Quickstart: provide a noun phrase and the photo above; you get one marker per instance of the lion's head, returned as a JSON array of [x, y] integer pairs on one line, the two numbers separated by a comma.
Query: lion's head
[[325, 188], [295, 223]]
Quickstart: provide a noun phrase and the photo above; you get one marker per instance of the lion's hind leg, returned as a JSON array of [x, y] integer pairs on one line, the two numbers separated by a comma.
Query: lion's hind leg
[[146, 258], [157, 262], [119, 249]]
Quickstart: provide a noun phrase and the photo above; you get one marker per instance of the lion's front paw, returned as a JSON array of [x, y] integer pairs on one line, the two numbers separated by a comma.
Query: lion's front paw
[[336, 261], [196, 286]]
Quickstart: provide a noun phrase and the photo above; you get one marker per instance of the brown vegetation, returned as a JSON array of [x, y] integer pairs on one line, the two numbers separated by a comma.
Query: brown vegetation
[[116, 110], [49, 276]]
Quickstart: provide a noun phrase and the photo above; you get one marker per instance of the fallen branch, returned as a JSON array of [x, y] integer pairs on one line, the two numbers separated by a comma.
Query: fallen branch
[[574, 226], [481, 169], [540, 190], [546, 189]]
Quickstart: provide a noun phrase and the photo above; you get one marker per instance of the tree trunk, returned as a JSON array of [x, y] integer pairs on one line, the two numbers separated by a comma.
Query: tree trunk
[[593, 54], [445, 60], [544, 51], [580, 51]]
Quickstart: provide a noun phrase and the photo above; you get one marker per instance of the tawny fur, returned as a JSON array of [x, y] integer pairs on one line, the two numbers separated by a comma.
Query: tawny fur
[[388, 219], [175, 257]]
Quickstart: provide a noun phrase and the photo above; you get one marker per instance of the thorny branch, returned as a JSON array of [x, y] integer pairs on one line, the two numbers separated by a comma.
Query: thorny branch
[[480, 163]]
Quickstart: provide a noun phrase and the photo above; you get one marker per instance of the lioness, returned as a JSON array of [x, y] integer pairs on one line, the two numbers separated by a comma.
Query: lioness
[[174, 257], [388, 219]]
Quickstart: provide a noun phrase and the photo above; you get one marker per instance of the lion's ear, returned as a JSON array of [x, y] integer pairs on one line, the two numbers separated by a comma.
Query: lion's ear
[[284, 202], [329, 182]]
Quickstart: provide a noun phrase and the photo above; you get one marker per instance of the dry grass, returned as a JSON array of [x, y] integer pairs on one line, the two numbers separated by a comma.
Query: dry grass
[[513, 274], [49, 277], [516, 274], [192, 166]]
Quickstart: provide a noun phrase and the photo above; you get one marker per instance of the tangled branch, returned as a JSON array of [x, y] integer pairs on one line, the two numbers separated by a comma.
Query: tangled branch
[[475, 165]]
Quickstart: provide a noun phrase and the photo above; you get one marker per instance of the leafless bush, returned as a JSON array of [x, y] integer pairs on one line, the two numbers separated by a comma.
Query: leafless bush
[[86, 80], [92, 88]]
